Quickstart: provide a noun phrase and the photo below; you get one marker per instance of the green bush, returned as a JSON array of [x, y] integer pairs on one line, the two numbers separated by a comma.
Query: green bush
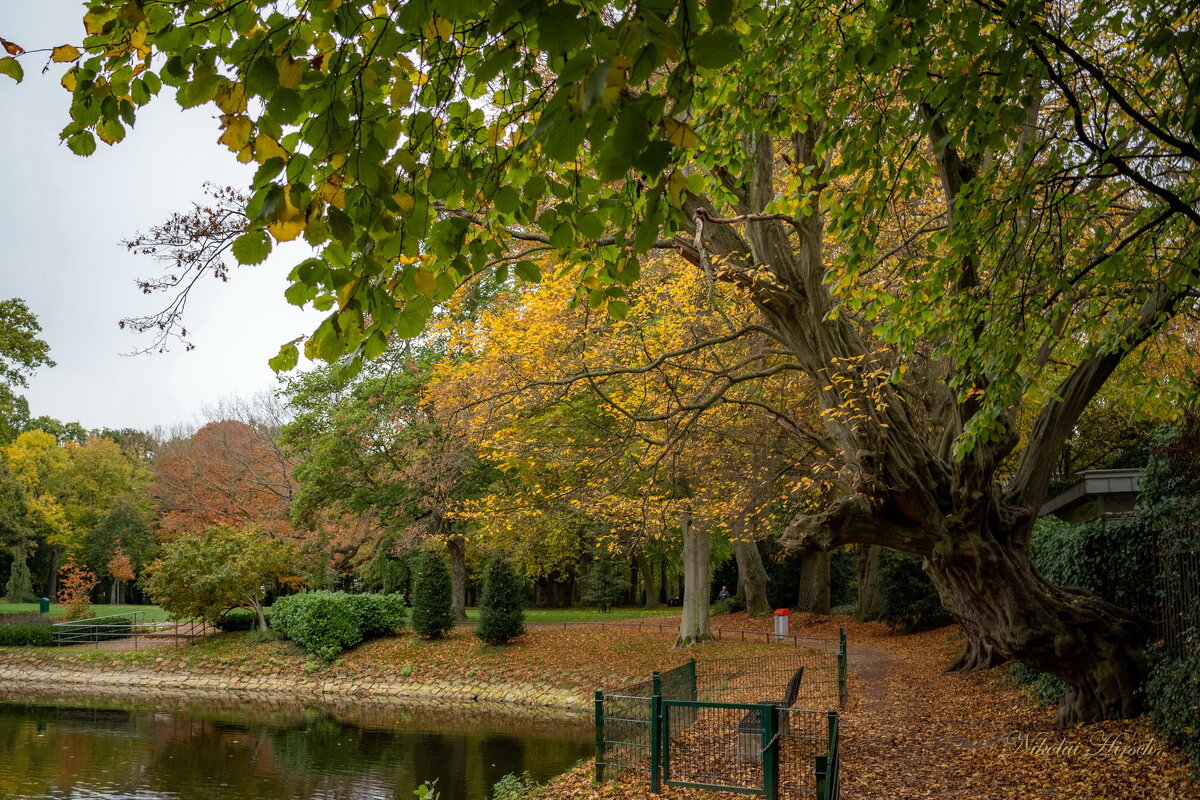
[[19, 587], [237, 619], [1173, 698], [26, 636], [1113, 559], [501, 616], [514, 787], [323, 623], [379, 614], [432, 617], [910, 603], [1047, 688]]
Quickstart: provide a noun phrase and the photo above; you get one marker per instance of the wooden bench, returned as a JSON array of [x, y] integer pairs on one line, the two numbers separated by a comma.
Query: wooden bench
[[749, 749]]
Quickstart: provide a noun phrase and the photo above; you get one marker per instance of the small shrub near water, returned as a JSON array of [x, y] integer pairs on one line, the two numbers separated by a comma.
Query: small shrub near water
[[327, 623], [431, 614], [26, 636], [501, 616], [514, 787]]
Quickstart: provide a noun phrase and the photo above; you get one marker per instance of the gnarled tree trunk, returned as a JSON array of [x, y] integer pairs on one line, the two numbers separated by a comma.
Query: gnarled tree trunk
[[1004, 605], [752, 579]]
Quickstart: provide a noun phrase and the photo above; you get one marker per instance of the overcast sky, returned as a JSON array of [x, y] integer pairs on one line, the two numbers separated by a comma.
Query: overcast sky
[[61, 220]]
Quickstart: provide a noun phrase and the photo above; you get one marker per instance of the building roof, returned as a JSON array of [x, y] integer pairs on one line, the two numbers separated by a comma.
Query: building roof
[[1094, 483]]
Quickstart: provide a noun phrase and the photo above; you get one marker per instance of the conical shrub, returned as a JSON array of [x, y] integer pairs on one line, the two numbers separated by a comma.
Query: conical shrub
[[501, 611], [431, 614]]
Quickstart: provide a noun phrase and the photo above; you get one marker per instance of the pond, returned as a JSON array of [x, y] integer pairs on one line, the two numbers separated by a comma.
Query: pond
[[242, 749]]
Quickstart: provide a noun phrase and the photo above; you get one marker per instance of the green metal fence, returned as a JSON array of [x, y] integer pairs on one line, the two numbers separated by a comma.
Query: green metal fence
[[723, 724]]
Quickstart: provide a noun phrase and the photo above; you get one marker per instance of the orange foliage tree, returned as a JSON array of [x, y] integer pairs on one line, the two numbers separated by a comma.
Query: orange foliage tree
[[664, 425], [228, 473], [76, 583]]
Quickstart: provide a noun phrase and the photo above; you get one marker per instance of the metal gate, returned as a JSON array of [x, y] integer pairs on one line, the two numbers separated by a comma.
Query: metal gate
[[723, 746]]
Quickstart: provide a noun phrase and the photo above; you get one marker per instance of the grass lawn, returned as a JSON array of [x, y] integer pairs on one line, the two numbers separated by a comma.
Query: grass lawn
[[536, 615], [149, 613]]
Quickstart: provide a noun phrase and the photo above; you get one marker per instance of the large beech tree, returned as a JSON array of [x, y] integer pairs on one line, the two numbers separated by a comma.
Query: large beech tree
[[947, 212]]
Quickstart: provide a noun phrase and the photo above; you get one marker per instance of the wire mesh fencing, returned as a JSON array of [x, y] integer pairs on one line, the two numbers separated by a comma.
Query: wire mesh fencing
[[758, 725], [765, 679]]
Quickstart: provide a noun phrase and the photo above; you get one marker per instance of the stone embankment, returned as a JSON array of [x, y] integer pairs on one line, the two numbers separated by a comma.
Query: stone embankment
[[167, 675]]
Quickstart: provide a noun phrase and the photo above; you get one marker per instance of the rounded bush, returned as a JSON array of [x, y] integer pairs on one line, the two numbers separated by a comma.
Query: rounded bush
[[910, 603], [379, 614], [323, 623]]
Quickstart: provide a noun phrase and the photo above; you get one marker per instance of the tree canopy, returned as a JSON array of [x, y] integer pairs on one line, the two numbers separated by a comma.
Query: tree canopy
[[953, 216]]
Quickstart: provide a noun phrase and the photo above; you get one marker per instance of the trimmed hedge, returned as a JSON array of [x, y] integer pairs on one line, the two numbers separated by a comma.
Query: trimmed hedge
[[26, 636], [326, 623], [379, 614], [240, 619]]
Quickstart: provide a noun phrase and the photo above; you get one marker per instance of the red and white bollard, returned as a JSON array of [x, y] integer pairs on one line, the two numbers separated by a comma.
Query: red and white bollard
[[781, 623]]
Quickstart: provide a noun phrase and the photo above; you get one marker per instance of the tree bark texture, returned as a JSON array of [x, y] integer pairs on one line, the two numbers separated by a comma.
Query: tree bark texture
[[458, 577], [752, 579], [694, 625], [814, 582], [870, 599], [646, 567]]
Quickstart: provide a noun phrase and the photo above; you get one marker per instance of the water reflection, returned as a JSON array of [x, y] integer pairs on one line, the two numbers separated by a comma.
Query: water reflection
[[242, 750]]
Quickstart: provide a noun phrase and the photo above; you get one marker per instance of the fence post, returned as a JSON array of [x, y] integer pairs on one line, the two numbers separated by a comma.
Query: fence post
[[657, 724], [842, 690], [770, 749], [832, 765], [600, 754], [822, 770], [692, 678]]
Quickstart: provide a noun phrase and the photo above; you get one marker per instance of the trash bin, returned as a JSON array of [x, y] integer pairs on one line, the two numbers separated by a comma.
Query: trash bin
[[44, 605], [781, 623]]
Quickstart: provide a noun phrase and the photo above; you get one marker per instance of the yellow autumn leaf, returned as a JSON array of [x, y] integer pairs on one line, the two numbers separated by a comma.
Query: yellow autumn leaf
[[231, 97], [290, 72], [332, 192], [69, 80], [64, 53], [404, 201], [289, 221], [345, 293], [425, 281], [237, 133], [94, 21], [245, 155], [676, 186], [679, 133], [438, 28], [266, 148]]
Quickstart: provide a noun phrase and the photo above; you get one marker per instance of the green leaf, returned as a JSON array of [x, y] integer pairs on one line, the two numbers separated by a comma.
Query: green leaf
[[12, 68], [287, 358], [252, 247], [507, 200], [618, 309], [528, 271], [715, 49], [82, 143]]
